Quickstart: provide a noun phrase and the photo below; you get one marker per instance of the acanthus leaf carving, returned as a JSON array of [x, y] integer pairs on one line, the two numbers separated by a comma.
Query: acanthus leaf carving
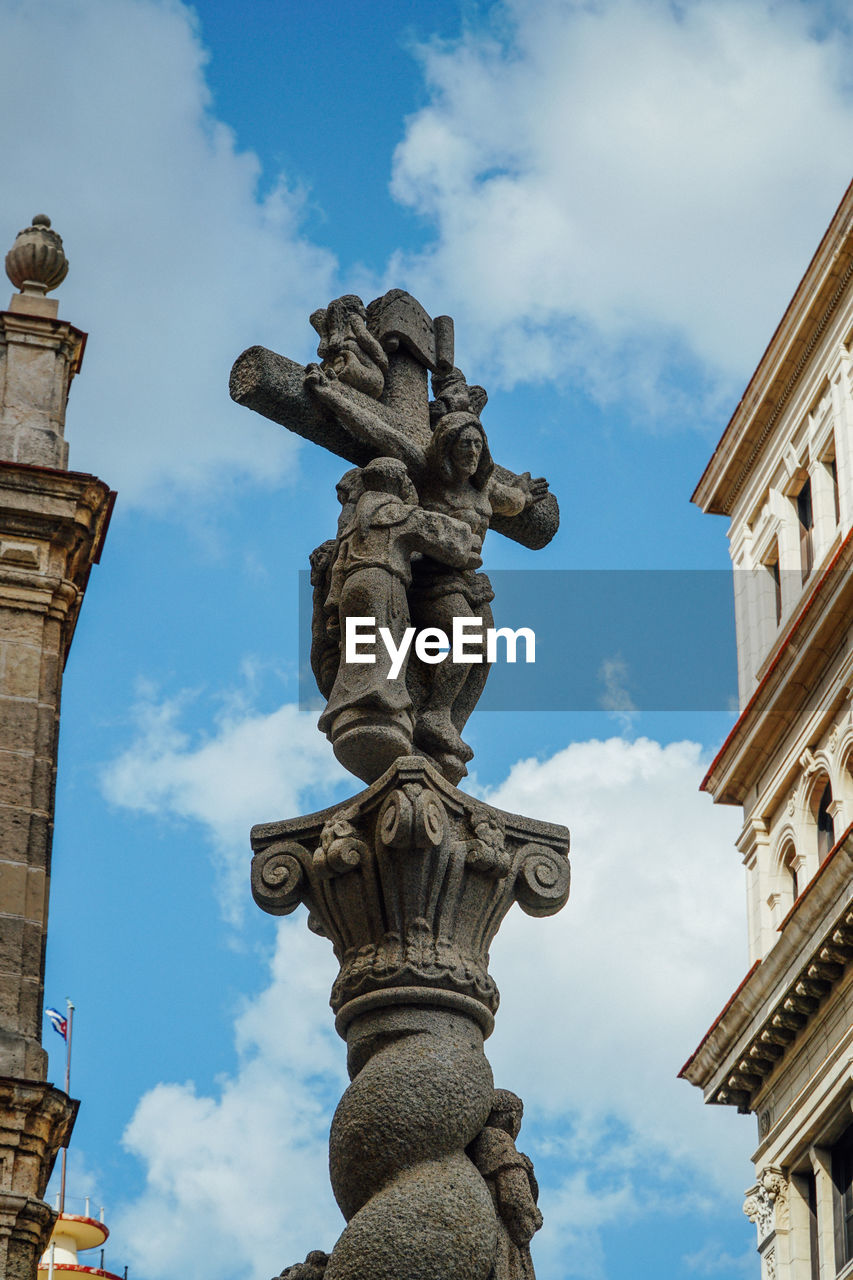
[[766, 1203], [410, 881]]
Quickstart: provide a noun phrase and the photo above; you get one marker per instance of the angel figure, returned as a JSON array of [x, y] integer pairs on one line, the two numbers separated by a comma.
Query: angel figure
[[347, 348]]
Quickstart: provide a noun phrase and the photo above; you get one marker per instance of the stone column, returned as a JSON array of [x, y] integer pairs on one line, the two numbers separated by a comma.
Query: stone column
[[52, 526], [410, 881]]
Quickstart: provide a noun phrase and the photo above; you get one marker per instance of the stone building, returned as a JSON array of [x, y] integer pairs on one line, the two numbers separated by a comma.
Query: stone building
[[52, 527], [782, 1048]]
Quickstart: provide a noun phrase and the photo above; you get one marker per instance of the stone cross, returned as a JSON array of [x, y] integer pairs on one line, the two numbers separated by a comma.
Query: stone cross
[[410, 879], [415, 345]]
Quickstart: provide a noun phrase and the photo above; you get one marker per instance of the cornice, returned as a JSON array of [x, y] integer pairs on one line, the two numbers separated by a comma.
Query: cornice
[[26, 326], [68, 510], [778, 1000], [789, 351], [808, 647]]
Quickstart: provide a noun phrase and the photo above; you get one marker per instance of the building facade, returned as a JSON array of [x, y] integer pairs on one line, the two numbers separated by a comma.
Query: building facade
[[783, 1046], [52, 526]]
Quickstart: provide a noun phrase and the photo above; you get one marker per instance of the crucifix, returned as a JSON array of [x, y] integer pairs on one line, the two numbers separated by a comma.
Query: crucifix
[[409, 545], [411, 878]]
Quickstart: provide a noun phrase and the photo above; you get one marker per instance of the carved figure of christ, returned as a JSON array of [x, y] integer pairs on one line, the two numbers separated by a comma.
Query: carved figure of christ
[[358, 427]]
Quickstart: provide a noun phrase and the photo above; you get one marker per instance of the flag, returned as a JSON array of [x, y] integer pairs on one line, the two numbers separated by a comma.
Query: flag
[[58, 1022]]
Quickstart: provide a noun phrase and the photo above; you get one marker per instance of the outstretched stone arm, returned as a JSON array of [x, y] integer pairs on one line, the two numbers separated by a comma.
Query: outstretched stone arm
[[510, 495], [274, 386], [356, 411]]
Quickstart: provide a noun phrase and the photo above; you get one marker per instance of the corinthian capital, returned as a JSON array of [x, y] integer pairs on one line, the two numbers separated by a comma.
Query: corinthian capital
[[410, 881]]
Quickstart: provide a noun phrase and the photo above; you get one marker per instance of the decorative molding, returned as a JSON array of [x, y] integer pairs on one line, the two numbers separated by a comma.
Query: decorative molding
[[791, 1012], [766, 1203], [782, 399], [410, 881]]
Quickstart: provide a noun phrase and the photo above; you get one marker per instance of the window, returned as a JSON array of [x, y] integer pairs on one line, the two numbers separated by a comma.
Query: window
[[842, 1180], [814, 1237], [833, 471], [805, 516], [825, 824], [790, 866], [776, 576]]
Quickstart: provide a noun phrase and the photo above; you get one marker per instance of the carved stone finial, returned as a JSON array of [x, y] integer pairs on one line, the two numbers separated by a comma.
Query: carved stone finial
[[36, 263]]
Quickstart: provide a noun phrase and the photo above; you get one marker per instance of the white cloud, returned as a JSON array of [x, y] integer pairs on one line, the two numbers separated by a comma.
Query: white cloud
[[238, 1184], [642, 958], [620, 186], [615, 188], [601, 1004], [177, 265], [616, 698], [711, 1260], [251, 767]]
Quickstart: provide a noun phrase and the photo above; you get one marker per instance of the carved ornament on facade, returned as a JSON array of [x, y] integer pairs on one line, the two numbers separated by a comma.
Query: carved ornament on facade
[[36, 263], [766, 1203], [790, 1014]]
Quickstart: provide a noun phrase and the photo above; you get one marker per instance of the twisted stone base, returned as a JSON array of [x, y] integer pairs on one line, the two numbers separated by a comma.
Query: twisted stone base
[[410, 881], [415, 1204]]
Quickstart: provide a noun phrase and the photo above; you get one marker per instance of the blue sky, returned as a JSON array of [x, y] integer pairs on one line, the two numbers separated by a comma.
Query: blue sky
[[615, 202]]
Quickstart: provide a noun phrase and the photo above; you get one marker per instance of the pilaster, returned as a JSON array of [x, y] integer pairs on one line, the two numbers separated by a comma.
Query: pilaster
[[410, 881], [52, 526], [35, 1121]]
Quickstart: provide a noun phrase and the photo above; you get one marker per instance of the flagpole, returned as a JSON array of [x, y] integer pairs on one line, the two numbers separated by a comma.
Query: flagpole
[[68, 1091]]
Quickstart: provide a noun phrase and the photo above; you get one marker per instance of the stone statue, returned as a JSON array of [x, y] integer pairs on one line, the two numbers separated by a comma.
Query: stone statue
[[512, 1185], [313, 1268], [369, 575], [454, 476], [411, 878], [368, 399], [347, 348]]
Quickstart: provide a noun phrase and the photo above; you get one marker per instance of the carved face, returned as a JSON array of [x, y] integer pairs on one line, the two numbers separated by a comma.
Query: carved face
[[466, 450]]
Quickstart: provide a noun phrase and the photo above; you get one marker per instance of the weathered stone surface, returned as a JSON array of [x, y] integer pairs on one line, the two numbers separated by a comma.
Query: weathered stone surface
[[512, 1185], [36, 262], [415, 1204], [52, 524], [35, 1120], [370, 717], [410, 881], [63, 516], [368, 400], [411, 878], [313, 1268]]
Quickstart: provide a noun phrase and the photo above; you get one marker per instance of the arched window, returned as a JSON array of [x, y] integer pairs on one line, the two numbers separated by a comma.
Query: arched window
[[825, 824], [789, 866]]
